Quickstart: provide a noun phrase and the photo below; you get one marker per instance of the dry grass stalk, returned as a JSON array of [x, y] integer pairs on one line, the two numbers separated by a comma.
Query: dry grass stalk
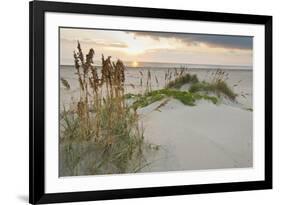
[[97, 91]]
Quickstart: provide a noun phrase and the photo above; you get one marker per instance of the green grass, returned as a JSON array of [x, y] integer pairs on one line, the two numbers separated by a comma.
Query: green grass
[[219, 88], [130, 95], [187, 98], [181, 80]]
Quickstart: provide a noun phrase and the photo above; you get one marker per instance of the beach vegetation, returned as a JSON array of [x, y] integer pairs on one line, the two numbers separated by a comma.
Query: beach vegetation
[[182, 80], [187, 98], [217, 85], [220, 88], [101, 134]]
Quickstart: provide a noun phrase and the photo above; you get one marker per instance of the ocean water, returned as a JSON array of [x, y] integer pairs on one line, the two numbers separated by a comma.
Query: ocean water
[[240, 78]]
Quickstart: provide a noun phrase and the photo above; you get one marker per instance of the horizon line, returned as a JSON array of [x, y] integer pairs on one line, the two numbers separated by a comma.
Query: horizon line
[[174, 63]]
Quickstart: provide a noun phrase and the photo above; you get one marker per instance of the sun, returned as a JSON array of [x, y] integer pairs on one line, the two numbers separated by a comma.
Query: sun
[[135, 64]]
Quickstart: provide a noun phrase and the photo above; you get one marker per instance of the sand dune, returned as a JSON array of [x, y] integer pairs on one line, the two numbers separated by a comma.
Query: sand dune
[[205, 136]]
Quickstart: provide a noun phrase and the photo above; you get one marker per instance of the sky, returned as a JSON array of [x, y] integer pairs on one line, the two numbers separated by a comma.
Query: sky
[[137, 46]]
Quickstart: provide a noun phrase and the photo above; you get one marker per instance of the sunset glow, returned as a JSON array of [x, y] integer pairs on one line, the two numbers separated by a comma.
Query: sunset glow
[[135, 64], [158, 46]]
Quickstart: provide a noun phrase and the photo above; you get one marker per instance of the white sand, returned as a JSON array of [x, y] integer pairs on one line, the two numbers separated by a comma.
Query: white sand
[[205, 136], [201, 137]]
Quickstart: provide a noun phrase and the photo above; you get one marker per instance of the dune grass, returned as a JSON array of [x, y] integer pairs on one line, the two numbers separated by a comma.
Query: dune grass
[[211, 91], [181, 80], [101, 134], [121, 154], [187, 98], [219, 88], [217, 85]]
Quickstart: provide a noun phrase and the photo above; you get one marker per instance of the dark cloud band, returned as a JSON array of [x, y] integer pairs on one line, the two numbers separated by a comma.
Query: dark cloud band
[[220, 41]]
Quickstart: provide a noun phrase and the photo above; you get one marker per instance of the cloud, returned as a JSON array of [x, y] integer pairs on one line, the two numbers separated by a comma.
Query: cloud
[[215, 41], [97, 43], [157, 50]]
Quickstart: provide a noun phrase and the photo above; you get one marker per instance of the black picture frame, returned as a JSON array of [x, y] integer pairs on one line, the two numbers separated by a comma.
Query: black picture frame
[[37, 194]]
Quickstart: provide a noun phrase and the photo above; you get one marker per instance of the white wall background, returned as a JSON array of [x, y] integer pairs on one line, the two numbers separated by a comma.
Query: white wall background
[[14, 100]]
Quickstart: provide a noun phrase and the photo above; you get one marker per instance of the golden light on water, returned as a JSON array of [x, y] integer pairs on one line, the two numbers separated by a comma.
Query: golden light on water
[[135, 64]]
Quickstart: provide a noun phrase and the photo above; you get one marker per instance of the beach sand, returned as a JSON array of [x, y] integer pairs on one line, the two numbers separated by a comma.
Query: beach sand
[[205, 136]]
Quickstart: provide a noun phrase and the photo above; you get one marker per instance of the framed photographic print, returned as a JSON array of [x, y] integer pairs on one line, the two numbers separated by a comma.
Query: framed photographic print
[[140, 102]]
